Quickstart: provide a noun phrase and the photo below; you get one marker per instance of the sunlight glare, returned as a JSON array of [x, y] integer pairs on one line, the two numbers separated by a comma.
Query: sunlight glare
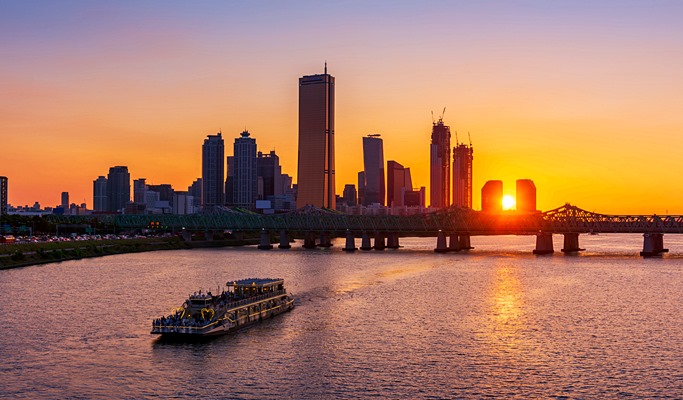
[[508, 202]]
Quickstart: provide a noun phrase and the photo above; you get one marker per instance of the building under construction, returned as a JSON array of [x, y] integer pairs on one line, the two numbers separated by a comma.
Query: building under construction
[[462, 174]]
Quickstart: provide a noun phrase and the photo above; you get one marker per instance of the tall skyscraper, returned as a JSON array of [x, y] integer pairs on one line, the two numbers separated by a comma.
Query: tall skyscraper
[[440, 165], [3, 195], [245, 177], [118, 188], [373, 165], [139, 189], [213, 174], [99, 191], [525, 195], [350, 195], [65, 201], [492, 196], [315, 175], [462, 175], [399, 182]]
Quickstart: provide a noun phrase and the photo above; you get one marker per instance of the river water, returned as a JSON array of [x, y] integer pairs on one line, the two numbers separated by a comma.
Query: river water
[[409, 323]]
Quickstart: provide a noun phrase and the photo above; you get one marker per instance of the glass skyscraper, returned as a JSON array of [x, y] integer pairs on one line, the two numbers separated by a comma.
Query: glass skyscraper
[[373, 166], [244, 176], [213, 175], [315, 175], [118, 188]]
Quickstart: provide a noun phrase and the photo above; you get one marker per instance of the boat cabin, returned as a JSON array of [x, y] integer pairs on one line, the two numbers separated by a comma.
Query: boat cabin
[[254, 287]]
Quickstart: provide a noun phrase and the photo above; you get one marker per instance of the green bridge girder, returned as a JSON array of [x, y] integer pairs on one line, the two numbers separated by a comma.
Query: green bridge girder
[[565, 219]]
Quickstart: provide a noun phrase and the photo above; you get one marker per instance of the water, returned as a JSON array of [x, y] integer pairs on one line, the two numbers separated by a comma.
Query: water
[[394, 324]]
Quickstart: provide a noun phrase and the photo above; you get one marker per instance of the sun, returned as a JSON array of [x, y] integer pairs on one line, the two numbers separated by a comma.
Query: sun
[[508, 202]]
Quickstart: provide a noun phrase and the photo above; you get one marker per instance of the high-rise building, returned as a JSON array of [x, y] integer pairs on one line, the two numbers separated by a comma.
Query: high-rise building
[[315, 174], [492, 196], [230, 181], [398, 183], [349, 195], [361, 187], [440, 165], [213, 169], [373, 165], [195, 190], [3, 195], [525, 195], [270, 172], [462, 175], [118, 188], [165, 191], [245, 187], [99, 191], [139, 189], [65, 201], [415, 197]]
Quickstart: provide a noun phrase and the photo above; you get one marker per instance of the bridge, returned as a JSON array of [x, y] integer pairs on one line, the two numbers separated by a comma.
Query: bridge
[[454, 223]]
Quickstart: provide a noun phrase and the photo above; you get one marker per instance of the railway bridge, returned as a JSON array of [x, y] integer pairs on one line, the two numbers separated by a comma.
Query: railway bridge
[[452, 227]]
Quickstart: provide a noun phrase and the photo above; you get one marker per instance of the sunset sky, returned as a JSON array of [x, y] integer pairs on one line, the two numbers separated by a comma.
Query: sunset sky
[[583, 97]]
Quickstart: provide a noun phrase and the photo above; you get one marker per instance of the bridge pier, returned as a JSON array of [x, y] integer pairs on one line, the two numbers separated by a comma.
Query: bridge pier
[[653, 245], [365, 242], [465, 242], [441, 243], [392, 241], [454, 243], [309, 241], [208, 236], [264, 244], [186, 235], [325, 240], [571, 243], [350, 242], [284, 240], [544, 243], [380, 243]]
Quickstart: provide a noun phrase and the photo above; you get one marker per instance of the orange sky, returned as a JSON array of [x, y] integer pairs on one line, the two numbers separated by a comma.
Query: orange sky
[[584, 99]]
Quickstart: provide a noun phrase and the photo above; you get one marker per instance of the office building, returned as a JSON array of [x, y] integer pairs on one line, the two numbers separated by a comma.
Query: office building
[[269, 173], [440, 165], [139, 189], [3, 195], [373, 166], [195, 190], [525, 195], [213, 169], [349, 196], [315, 174], [65, 201], [415, 197], [118, 188], [183, 203], [399, 182], [230, 181], [245, 187], [100, 202], [492, 196], [462, 175], [165, 191], [361, 188]]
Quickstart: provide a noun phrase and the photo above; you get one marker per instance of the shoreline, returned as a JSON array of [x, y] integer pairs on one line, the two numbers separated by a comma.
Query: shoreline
[[27, 254]]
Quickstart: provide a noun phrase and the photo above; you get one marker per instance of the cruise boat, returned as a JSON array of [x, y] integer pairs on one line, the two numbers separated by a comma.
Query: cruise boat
[[243, 302]]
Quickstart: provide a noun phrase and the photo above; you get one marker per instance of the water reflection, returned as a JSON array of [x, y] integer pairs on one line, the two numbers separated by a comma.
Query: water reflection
[[506, 312]]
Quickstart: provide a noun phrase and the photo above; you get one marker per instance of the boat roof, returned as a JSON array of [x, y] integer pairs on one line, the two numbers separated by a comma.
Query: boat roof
[[255, 282]]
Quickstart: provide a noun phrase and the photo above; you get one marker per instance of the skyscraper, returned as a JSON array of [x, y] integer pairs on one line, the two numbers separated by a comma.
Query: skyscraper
[[525, 195], [269, 170], [195, 190], [3, 195], [139, 189], [65, 201], [492, 196], [99, 192], [315, 175], [245, 177], [462, 175], [373, 164], [399, 182], [213, 169], [118, 188], [361, 187], [350, 195], [440, 165]]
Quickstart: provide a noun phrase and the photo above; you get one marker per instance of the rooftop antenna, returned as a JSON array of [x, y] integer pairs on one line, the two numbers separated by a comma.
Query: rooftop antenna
[[325, 67], [433, 122], [469, 137]]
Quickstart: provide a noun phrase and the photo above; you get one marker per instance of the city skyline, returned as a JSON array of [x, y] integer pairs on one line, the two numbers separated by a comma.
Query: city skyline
[[581, 98]]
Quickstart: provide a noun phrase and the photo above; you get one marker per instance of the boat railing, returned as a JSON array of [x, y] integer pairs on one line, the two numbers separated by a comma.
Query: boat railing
[[252, 299]]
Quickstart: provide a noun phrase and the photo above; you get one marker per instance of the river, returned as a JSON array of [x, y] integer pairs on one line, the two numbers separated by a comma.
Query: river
[[408, 323]]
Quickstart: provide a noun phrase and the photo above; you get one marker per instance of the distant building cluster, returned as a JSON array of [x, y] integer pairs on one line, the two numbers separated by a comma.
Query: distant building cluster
[[252, 180]]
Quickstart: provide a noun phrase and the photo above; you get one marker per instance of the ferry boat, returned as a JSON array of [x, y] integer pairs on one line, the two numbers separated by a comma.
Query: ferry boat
[[243, 302]]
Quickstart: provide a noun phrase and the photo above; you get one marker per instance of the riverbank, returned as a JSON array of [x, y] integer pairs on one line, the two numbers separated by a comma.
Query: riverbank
[[25, 254]]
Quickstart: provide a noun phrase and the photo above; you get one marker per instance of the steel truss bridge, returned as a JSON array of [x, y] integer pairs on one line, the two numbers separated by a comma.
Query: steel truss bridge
[[453, 220]]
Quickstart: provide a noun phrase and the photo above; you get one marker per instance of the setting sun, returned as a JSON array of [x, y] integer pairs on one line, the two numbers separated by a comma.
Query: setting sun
[[508, 202]]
